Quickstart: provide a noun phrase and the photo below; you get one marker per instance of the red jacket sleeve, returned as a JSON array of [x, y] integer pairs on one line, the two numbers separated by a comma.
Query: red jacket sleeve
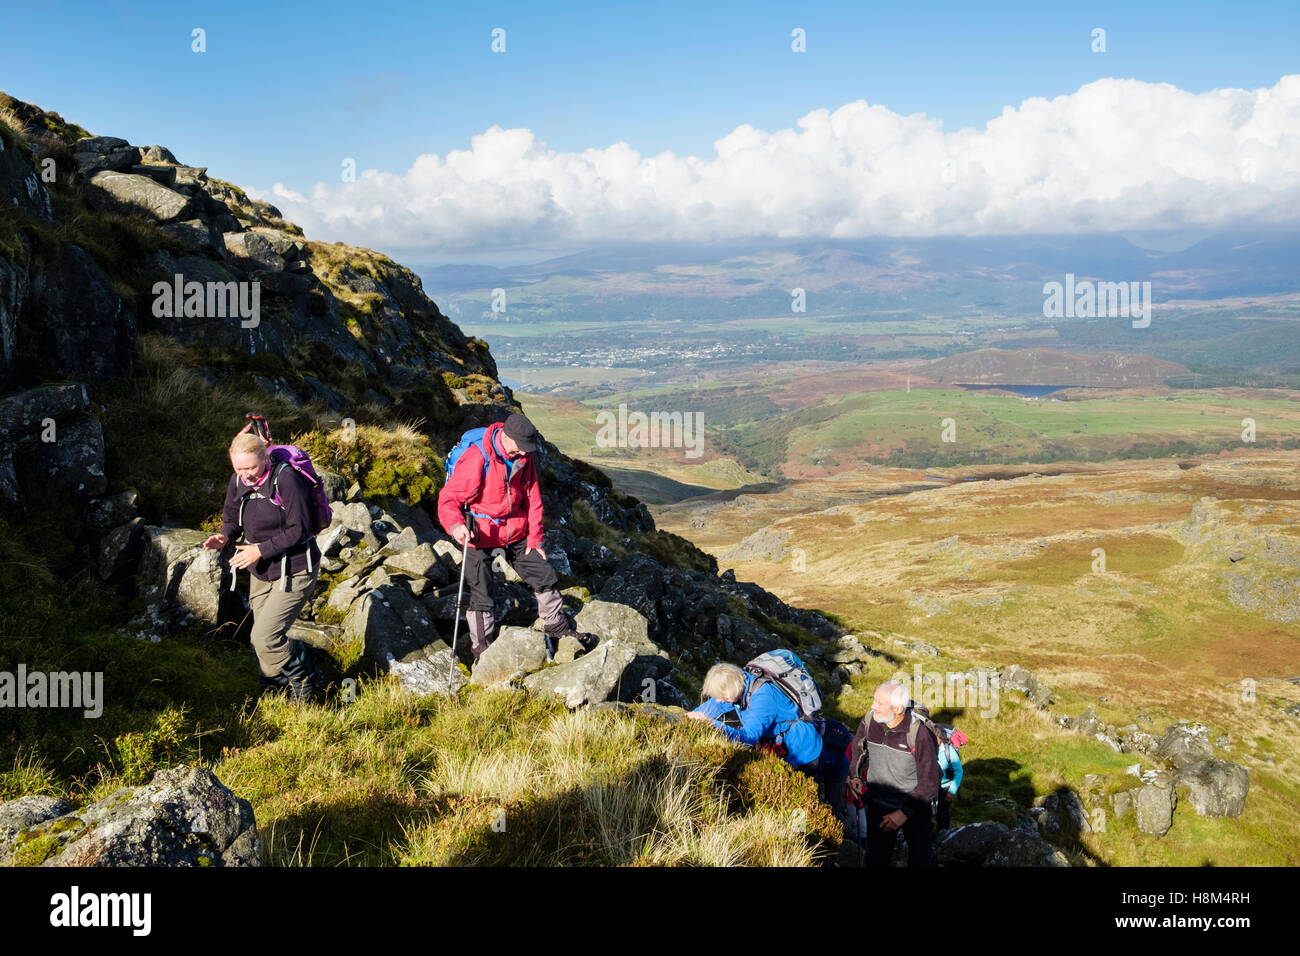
[[461, 487], [927, 767], [534, 539]]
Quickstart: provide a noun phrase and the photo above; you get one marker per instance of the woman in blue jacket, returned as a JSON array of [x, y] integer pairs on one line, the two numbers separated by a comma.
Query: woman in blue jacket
[[770, 716], [949, 780]]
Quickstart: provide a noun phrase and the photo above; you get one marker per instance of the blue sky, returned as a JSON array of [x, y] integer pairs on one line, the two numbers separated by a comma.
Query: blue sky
[[285, 90]]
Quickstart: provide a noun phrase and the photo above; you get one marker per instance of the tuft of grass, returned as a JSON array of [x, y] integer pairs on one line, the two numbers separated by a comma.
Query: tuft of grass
[[140, 753], [396, 461], [29, 775], [497, 777]]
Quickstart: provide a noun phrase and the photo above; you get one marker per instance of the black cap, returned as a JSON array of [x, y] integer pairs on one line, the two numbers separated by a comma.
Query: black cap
[[521, 432]]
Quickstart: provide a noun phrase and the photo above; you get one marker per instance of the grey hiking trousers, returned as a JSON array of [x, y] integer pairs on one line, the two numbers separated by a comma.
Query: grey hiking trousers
[[273, 612]]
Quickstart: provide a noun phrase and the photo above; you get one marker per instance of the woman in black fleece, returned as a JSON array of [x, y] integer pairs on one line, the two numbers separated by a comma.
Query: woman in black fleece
[[280, 555]]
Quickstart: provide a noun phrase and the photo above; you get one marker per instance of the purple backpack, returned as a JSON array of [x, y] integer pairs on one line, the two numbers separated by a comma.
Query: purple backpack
[[297, 459]]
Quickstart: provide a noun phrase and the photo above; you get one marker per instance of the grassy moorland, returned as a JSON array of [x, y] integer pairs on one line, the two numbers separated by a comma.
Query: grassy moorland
[[1193, 615], [821, 424]]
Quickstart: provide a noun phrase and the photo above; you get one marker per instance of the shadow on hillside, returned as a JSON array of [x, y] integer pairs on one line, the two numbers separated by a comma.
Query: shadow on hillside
[[343, 833], [608, 823], [989, 783]]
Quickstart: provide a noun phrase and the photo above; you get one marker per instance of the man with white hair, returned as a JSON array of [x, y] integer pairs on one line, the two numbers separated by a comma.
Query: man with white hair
[[902, 776]]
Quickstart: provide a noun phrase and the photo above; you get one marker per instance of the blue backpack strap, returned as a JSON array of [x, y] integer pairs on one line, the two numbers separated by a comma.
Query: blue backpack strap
[[481, 444], [487, 462], [463, 445]]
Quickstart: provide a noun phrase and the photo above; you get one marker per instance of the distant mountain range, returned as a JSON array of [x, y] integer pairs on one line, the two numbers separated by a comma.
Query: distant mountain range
[[950, 277]]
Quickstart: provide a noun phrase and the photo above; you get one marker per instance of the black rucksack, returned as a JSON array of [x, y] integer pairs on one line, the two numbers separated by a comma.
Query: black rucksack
[[835, 735]]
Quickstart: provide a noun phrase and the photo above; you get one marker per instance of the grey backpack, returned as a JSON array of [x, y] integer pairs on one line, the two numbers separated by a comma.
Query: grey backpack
[[784, 669]]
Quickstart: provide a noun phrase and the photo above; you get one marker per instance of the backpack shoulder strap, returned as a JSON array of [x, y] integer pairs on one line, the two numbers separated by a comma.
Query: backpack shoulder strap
[[914, 728], [275, 483], [755, 680]]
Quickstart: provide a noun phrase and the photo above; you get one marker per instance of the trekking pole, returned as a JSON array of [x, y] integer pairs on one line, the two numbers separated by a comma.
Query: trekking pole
[[460, 590], [860, 818]]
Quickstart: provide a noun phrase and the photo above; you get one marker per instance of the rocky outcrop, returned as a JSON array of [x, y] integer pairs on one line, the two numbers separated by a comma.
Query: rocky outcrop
[[765, 544], [96, 153], [1061, 812], [1184, 743], [20, 815], [516, 652], [177, 573], [995, 844], [592, 678], [128, 193], [183, 817], [388, 622], [50, 435], [20, 186], [322, 307], [429, 672], [1152, 803], [1258, 561], [1213, 787], [1017, 678]]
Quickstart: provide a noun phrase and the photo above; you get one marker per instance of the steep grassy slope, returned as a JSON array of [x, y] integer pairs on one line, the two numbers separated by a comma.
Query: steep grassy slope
[[353, 362]]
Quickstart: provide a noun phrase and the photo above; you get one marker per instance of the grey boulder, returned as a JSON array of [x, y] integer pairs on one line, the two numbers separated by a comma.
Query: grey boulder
[[429, 674], [185, 816], [516, 652], [178, 572], [131, 193], [1214, 788], [591, 678], [1184, 744], [994, 844], [389, 623], [1153, 804]]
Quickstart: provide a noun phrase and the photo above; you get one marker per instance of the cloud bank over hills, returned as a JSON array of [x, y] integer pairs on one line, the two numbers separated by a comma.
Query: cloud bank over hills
[[1116, 155]]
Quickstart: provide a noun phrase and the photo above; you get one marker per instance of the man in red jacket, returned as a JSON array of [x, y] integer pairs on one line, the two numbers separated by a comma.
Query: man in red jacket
[[506, 505]]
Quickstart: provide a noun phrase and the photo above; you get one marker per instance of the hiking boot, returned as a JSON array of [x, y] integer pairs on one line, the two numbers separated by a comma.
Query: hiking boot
[[301, 674], [553, 638], [277, 686]]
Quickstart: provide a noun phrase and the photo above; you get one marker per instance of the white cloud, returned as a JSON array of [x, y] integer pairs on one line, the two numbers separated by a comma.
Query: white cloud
[[1115, 155]]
